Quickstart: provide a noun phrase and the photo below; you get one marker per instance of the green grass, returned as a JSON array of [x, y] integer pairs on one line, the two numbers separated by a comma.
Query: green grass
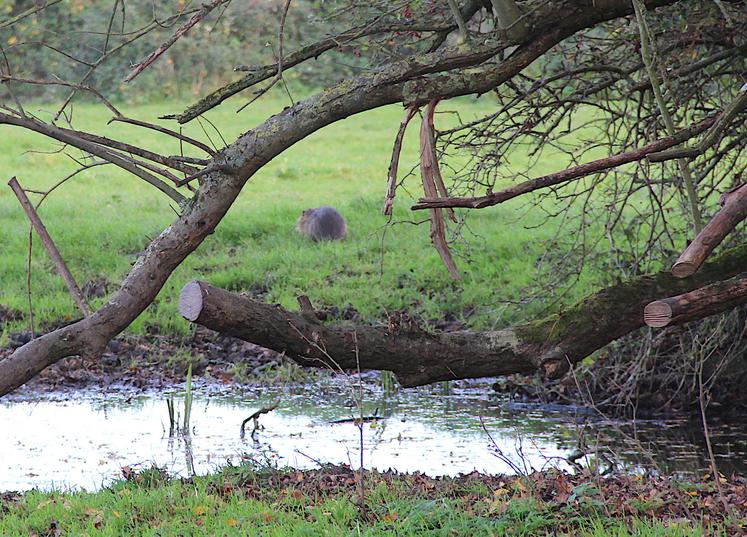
[[246, 501], [102, 218]]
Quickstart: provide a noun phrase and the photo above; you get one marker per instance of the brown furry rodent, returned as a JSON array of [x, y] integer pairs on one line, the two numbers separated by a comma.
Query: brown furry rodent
[[322, 223]]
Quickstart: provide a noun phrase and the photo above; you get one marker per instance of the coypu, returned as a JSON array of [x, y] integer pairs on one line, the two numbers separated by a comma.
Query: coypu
[[322, 223]]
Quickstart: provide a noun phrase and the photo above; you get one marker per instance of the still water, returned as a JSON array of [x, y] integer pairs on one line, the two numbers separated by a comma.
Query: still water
[[83, 439]]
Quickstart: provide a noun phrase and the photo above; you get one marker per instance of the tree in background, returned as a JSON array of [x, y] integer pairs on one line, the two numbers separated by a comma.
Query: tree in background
[[661, 95]]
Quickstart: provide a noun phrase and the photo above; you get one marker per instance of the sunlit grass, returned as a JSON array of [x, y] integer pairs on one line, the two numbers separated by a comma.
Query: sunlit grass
[[104, 217]]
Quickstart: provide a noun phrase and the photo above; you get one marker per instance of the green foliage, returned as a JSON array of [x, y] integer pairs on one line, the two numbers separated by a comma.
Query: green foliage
[[245, 33]]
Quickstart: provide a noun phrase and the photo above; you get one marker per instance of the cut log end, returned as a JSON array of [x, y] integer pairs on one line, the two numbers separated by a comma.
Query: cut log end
[[683, 269], [657, 314], [190, 301]]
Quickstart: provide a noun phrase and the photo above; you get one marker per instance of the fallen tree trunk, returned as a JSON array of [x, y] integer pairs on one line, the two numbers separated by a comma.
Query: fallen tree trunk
[[418, 357], [442, 73], [697, 304]]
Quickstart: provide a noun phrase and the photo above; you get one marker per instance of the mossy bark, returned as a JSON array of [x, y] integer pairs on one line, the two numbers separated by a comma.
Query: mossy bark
[[418, 357]]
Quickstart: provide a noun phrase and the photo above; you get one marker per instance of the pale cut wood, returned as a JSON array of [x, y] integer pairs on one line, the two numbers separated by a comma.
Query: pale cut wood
[[190, 301], [731, 214], [696, 304]]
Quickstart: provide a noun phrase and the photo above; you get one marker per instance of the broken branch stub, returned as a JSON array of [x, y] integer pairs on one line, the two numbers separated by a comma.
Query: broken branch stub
[[433, 186], [391, 187]]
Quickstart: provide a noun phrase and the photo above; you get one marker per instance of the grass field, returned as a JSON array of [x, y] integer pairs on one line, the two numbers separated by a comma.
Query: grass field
[[102, 218], [242, 501]]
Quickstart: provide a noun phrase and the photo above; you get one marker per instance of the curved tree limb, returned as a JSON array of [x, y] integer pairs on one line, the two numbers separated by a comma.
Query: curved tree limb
[[387, 84]]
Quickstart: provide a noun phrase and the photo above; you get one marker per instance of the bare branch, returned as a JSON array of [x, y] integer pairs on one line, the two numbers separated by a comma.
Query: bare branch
[[394, 163], [206, 148], [54, 253], [648, 56], [66, 137], [183, 29], [738, 105], [30, 11], [569, 174]]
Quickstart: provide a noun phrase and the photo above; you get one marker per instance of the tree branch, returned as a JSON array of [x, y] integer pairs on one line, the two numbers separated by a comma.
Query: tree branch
[[54, 253], [183, 29], [418, 357], [563, 176], [69, 138], [738, 105], [731, 214]]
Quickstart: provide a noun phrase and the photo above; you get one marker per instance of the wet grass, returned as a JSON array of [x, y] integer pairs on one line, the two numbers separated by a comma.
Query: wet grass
[[249, 501], [103, 218]]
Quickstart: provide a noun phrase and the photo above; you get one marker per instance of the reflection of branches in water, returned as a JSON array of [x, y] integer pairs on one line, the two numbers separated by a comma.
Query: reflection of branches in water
[[255, 417], [522, 470]]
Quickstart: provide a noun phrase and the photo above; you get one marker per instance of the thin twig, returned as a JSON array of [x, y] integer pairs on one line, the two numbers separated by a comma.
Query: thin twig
[[183, 29], [649, 59], [206, 148], [54, 253]]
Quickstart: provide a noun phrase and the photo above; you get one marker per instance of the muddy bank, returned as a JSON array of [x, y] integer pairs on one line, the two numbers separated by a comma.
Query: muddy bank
[[157, 361], [618, 382]]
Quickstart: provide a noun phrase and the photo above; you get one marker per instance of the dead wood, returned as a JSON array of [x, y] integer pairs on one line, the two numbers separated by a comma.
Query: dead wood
[[49, 244], [418, 357], [433, 186], [391, 185], [703, 302], [731, 214]]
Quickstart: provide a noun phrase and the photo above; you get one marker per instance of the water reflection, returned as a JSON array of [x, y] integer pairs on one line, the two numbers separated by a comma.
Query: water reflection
[[83, 439]]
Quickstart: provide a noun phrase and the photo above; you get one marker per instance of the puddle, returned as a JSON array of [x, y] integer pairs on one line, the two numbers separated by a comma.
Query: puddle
[[83, 439]]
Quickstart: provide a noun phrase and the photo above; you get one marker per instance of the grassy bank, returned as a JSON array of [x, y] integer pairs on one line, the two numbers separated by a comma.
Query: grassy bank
[[247, 501], [103, 218]]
